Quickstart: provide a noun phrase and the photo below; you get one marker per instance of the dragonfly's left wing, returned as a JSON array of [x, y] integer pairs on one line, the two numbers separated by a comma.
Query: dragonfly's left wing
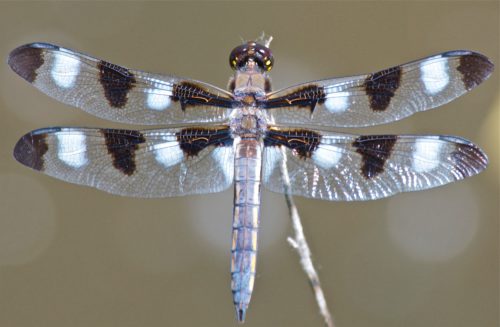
[[148, 164], [382, 97], [117, 93], [342, 167]]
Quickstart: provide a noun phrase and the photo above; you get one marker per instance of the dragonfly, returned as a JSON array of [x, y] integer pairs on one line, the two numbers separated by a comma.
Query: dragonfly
[[248, 135]]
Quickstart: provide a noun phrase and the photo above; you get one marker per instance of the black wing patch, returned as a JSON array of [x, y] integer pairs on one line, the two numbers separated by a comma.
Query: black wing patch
[[374, 150], [121, 145], [194, 140], [381, 86], [117, 82], [302, 142], [305, 97], [191, 94]]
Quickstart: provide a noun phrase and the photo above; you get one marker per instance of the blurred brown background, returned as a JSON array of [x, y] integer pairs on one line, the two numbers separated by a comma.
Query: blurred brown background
[[74, 256]]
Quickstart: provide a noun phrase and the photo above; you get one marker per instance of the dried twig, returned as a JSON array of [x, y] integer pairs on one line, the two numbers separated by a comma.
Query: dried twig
[[299, 243]]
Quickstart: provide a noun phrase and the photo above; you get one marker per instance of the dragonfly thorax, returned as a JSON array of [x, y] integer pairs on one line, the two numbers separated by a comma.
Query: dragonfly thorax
[[249, 82], [248, 122]]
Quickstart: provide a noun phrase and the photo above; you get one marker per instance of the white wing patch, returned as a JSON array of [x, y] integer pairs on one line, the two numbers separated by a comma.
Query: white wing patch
[[426, 155], [327, 156], [158, 99], [71, 149], [169, 153], [65, 69], [434, 75], [337, 102]]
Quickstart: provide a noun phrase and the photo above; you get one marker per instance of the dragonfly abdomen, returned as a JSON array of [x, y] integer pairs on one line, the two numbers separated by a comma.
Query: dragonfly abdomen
[[248, 162]]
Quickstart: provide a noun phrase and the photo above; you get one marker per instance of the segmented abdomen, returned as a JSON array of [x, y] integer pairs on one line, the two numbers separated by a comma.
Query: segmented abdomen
[[247, 169]]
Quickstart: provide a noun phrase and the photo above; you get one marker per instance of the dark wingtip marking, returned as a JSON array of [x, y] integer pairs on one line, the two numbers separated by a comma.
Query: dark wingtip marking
[[25, 60], [381, 87], [475, 68], [374, 150], [121, 145], [116, 81], [31, 148], [468, 159]]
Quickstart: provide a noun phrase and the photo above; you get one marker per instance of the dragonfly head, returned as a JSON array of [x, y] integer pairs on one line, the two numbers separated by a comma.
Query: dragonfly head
[[251, 54]]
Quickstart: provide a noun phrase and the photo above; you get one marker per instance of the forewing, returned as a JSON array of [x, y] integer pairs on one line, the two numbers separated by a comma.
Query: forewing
[[148, 164], [382, 97], [341, 167], [116, 93]]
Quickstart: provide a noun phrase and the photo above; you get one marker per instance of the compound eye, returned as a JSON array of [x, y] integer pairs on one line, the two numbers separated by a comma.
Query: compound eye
[[260, 54], [236, 56], [265, 57]]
